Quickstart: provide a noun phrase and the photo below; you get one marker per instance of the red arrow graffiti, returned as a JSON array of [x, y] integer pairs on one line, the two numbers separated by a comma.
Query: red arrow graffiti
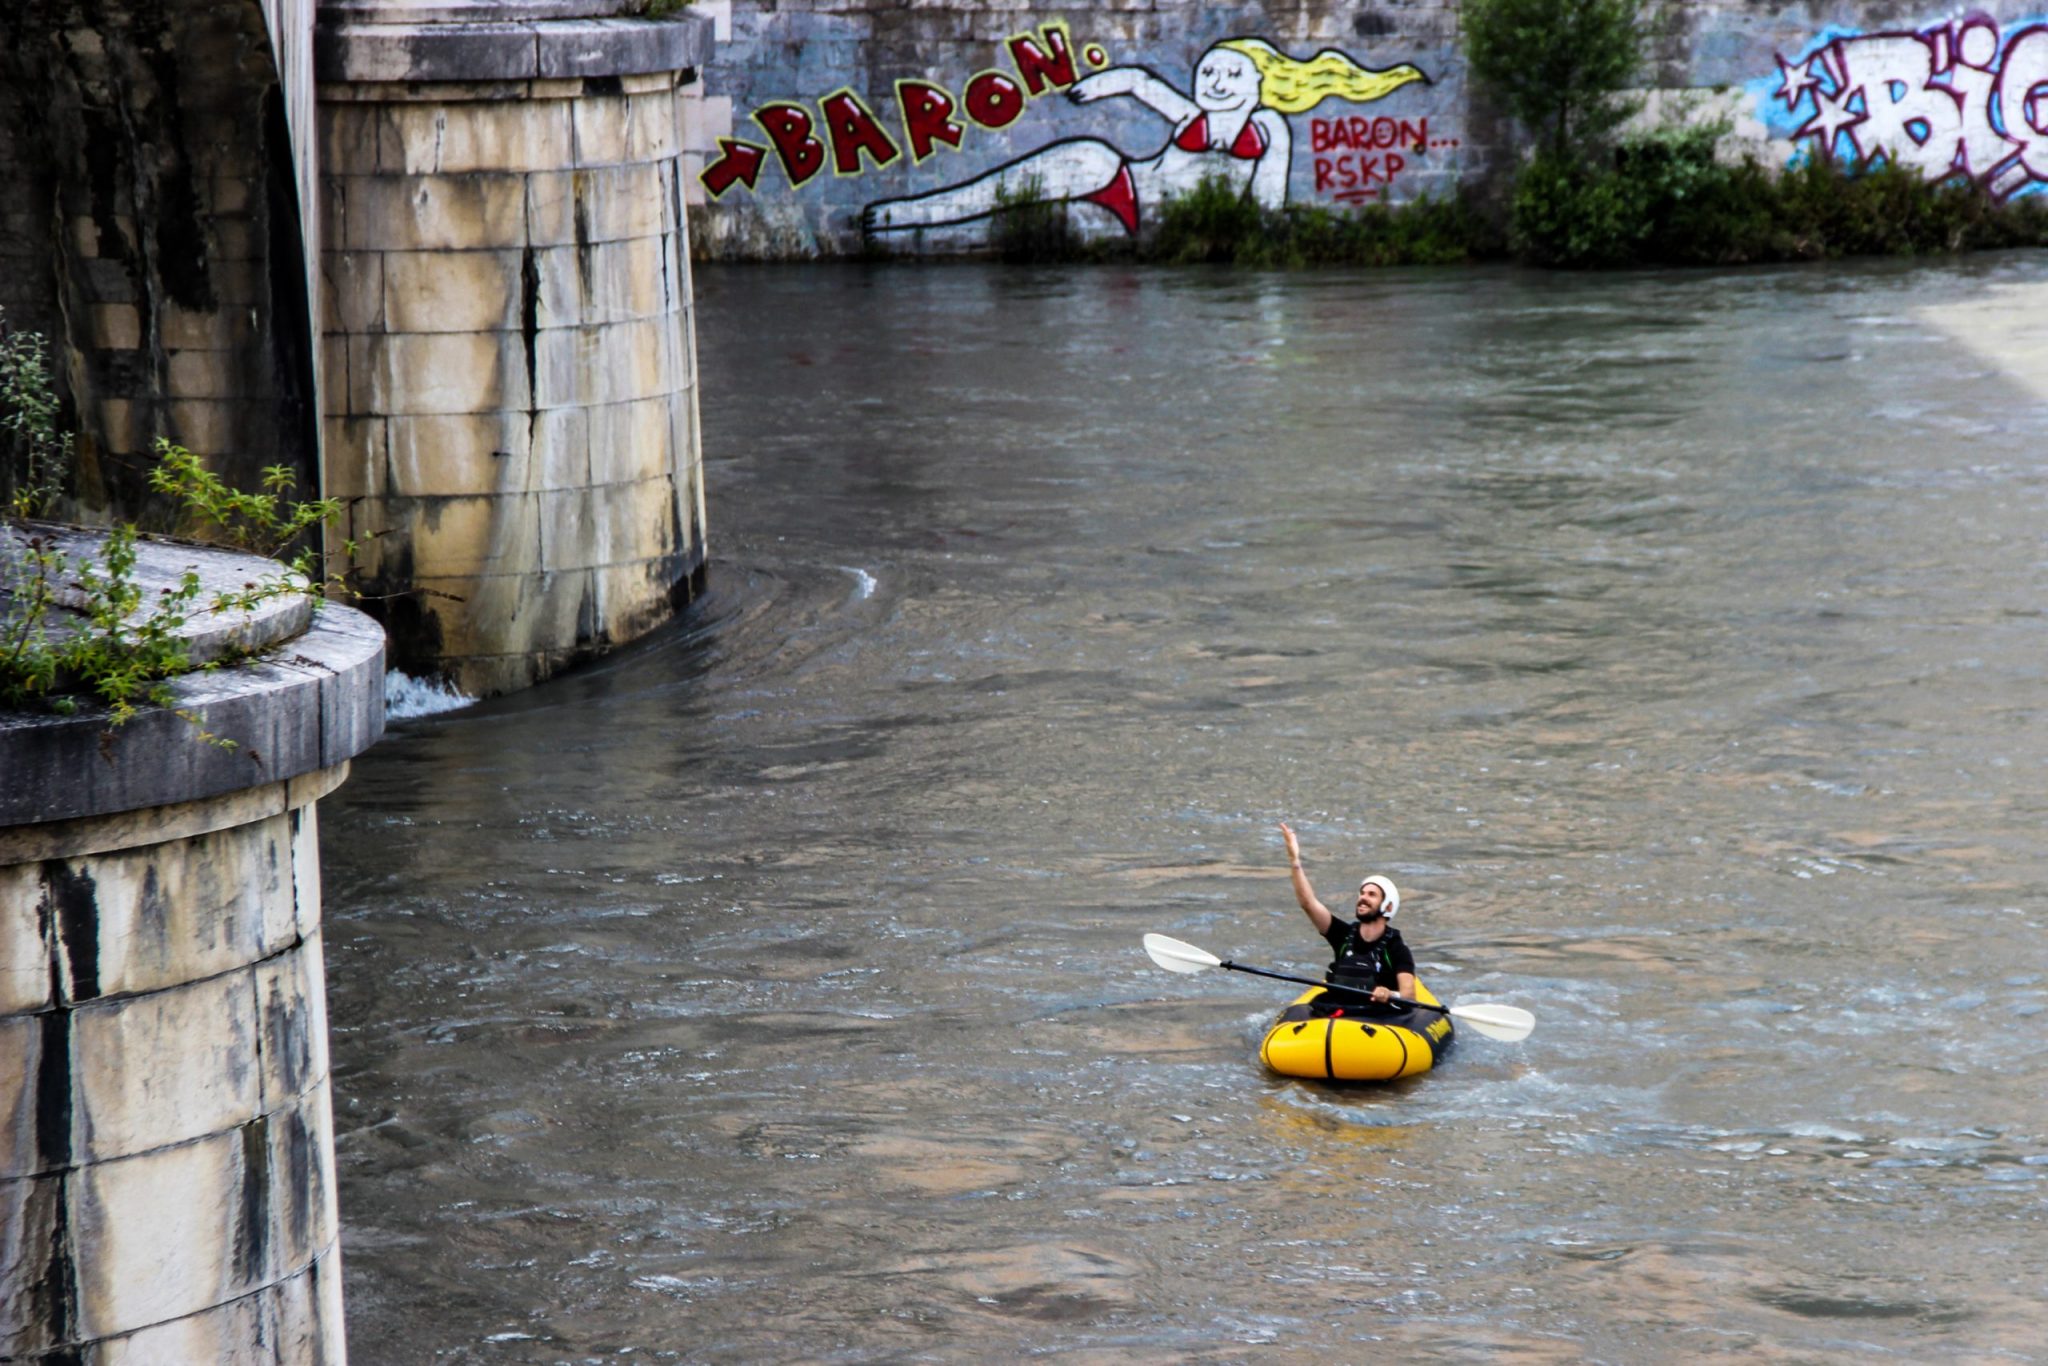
[[737, 160]]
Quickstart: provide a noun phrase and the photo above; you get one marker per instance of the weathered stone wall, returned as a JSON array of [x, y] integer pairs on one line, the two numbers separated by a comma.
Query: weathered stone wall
[[836, 126], [166, 1141], [166, 1150], [510, 368], [152, 230]]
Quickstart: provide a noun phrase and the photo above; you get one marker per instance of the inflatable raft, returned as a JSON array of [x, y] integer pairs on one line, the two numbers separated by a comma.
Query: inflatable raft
[[1338, 1038]]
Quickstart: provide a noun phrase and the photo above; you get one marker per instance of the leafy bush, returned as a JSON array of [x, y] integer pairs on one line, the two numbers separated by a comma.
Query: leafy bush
[[1663, 199], [1214, 223]]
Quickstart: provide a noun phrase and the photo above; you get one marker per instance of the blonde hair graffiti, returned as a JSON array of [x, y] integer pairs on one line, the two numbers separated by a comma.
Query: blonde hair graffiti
[[1294, 87], [1229, 125]]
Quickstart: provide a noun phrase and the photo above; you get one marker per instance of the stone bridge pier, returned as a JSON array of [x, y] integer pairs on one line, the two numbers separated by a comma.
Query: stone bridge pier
[[509, 364], [166, 1135]]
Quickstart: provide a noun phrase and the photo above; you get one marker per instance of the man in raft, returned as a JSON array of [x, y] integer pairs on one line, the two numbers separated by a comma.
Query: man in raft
[[1367, 953]]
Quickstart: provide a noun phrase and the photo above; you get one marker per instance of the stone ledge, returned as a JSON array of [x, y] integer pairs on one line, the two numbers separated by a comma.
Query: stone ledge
[[161, 564], [488, 49], [313, 701]]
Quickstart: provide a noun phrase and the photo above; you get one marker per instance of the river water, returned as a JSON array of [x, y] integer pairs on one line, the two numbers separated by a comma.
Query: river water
[[772, 990]]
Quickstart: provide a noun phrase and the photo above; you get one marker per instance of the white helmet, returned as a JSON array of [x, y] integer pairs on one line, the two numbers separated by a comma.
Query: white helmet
[[1387, 888]]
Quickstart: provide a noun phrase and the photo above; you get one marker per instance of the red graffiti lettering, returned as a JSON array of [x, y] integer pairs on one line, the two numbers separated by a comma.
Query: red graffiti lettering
[[1036, 67], [1366, 135], [789, 128], [994, 100], [927, 117], [854, 132], [1353, 177], [737, 161]]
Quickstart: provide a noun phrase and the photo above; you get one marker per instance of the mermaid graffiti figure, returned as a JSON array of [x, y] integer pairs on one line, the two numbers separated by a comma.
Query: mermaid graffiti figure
[[1233, 125]]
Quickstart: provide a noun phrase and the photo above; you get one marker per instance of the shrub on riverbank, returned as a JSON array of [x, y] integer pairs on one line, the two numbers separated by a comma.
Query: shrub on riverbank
[[1664, 200], [1214, 223]]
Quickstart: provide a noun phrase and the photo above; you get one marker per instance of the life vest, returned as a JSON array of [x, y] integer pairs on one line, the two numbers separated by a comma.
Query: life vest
[[1358, 962]]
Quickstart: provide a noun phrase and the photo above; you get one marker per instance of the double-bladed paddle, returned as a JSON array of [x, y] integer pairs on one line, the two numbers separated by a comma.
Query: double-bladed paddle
[[1510, 1024]]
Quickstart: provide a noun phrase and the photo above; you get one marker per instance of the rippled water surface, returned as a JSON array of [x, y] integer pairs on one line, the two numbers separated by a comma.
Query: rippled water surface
[[772, 990]]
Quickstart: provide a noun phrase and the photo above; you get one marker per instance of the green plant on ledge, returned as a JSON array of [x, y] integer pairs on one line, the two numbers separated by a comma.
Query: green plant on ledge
[[28, 424], [86, 628]]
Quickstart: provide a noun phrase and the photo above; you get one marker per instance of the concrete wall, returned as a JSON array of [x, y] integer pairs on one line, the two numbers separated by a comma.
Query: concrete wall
[[837, 126], [166, 1141], [509, 363]]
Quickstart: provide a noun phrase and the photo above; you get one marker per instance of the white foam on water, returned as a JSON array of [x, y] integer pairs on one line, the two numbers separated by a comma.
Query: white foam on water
[[406, 697], [863, 582]]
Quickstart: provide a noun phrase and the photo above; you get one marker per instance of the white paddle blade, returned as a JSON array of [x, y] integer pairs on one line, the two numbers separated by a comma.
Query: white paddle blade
[[1509, 1024], [1175, 956]]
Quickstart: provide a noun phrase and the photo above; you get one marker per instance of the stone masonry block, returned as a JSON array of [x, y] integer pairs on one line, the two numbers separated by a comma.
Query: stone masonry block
[[290, 999], [606, 525], [356, 455], [293, 1320], [606, 282], [348, 134], [21, 1056], [430, 139], [24, 958], [616, 47], [475, 51], [689, 474], [166, 914], [500, 612], [201, 374], [456, 372], [31, 1213], [304, 824], [561, 448], [217, 328], [630, 442], [334, 374], [432, 213], [242, 1208], [205, 425], [448, 537], [594, 365], [453, 291], [633, 599], [116, 327], [619, 129], [352, 290], [121, 424], [467, 453], [164, 1067], [566, 208]]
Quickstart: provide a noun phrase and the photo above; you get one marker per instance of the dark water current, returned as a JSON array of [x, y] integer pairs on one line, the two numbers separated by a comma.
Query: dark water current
[[772, 990]]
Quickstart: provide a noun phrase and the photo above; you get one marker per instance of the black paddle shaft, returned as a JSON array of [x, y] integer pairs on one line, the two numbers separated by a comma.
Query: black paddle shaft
[[1332, 986]]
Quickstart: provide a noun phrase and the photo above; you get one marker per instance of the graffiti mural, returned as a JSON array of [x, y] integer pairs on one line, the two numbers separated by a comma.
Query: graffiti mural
[[1957, 98], [930, 118], [1266, 123], [1230, 124]]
